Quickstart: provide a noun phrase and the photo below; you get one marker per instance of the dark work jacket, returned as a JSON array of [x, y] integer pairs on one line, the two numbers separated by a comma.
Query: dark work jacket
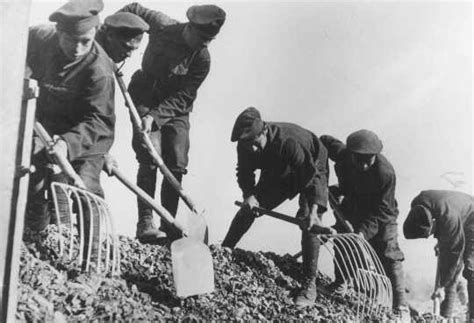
[[171, 71], [369, 197], [293, 157], [454, 215], [76, 100]]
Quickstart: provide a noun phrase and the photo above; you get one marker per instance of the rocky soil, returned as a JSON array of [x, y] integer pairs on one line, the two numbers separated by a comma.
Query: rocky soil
[[249, 286]]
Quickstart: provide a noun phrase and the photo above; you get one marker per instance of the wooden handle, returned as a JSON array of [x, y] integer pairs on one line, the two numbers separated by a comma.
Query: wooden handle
[[63, 163], [338, 213], [160, 210], [137, 122], [273, 214]]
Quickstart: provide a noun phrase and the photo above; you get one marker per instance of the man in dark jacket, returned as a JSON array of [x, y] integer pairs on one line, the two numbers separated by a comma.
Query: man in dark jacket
[[76, 101], [449, 216], [367, 189], [121, 34], [292, 161], [175, 63]]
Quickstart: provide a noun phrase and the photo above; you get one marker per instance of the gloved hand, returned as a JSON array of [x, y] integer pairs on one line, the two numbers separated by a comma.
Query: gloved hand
[[59, 147], [250, 203], [109, 164]]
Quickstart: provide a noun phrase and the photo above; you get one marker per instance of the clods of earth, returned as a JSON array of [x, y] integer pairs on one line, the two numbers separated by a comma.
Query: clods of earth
[[248, 286]]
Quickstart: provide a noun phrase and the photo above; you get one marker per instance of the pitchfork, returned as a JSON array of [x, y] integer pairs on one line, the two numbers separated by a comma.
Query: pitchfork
[[75, 205]]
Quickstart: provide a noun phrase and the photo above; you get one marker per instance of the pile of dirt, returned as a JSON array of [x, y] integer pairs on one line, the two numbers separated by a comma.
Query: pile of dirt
[[249, 286]]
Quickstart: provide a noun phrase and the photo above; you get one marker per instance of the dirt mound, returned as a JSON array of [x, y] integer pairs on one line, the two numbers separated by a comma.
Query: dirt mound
[[249, 286]]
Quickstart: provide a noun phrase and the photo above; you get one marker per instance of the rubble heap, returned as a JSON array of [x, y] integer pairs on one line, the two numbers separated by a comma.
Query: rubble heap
[[249, 286]]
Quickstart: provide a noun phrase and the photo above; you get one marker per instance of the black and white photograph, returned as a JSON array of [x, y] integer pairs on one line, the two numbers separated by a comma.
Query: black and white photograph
[[237, 160]]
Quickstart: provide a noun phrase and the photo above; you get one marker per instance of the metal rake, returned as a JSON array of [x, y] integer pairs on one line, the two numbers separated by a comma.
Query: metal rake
[[87, 217], [358, 264]]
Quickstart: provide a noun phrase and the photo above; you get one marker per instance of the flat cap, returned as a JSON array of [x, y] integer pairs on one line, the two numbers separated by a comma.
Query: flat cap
[[364, 142], [418, 223], [247, 125], [208, 19], [77, 16], [126, 20]]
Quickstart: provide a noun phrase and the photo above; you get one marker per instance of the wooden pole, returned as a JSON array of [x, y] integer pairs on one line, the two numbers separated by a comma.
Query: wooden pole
[[15, 142]]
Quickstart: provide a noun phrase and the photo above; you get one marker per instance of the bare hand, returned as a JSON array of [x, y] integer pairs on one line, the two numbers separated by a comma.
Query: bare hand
[[109, 164], [147, 123], [314, 225], [250, 203], [438, 293]]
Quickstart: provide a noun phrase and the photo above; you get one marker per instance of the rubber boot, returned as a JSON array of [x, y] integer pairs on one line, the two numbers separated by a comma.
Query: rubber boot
[[306, 296], [147, 232], [240, 225], [170, 201]]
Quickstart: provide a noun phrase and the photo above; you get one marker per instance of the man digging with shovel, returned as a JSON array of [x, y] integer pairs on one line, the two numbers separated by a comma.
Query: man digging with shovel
[[292, 161], [175, 63], [367, 189]]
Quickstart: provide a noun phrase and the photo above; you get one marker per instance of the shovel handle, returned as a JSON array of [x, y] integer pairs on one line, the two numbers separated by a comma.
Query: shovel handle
[[274, 214], [436, 300], [137, 122], [63, 163], [160, 210]]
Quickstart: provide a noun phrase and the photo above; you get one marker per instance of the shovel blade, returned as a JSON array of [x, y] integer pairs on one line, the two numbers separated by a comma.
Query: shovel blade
[[193, 271], [196, 226]]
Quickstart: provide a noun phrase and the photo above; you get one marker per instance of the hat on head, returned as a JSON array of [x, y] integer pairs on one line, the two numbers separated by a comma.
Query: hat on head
[[77, 16], [208, 19], [364, 142], [126, 21], [247, 125], [418, 223]]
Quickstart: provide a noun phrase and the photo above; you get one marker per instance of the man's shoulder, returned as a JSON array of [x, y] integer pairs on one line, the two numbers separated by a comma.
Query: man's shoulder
[[42, 33], [100, 63], [384, 168]]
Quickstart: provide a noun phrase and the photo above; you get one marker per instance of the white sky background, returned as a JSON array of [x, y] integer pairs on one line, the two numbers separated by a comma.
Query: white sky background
[[401, 69]]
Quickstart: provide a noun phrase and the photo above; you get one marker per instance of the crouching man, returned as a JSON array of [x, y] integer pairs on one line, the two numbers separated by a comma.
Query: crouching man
[[292, 161], [367, 190], [449, 216]]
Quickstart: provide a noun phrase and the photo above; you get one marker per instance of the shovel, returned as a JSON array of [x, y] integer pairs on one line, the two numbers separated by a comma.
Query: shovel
[[137, 122], [193, 270]]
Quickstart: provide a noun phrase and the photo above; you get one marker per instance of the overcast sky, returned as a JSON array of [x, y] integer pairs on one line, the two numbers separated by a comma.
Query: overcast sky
[[401, 69]]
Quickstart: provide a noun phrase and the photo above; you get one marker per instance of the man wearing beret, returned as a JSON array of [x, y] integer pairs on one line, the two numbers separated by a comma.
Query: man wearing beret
[[449, 216], [76, 101], [121, 34], [292, 161], [367, 189], [175, 63]]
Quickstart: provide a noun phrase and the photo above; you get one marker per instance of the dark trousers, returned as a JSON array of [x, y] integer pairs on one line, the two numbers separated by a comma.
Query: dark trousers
[[269, 198], [171, 141], [38, 208]]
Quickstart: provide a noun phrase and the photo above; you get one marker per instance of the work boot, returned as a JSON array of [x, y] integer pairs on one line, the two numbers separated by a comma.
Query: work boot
[[147, 232], [307, 294]]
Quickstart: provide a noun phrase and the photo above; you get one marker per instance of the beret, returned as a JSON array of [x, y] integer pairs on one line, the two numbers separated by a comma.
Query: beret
[[77, 16], [208, 19], [418, 223], [247, 125], [364, 142], [126, 20]]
